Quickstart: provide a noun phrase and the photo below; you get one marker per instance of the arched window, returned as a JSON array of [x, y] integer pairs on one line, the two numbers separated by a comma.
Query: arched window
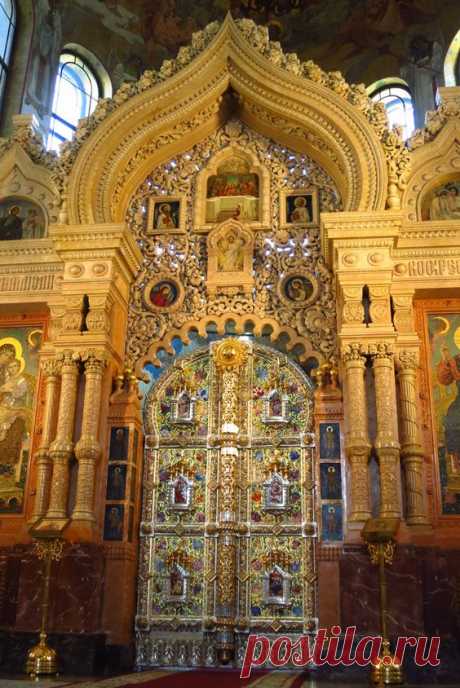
[[452, 62], [7, 26], [396, 97], [80, 82]]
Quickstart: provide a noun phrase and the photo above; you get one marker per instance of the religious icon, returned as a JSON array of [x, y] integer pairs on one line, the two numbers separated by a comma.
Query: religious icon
[[164, 294], [183, 408], [332, 521], [329, 441], [445, 202], [119, 438], [17, 385], [299, 209], [277, 586], [276, 493], [275, 407], [116, 482], [113, 522], [177, 583], [21, 219], [166, 215], [298, 288], [232, 192], [444, 332], [331, 486], [180, 493], [230, 257]]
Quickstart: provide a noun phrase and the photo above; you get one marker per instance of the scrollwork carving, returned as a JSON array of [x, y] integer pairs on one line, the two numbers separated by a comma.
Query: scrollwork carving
[[185, 256]]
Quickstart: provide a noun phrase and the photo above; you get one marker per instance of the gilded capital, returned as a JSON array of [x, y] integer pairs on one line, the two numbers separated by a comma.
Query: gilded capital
[[51, 367], [353, 352], [94, 361], [407, 360]]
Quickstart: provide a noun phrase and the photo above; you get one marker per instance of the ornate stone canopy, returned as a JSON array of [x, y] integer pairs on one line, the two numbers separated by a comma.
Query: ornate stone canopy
[[294, 103]]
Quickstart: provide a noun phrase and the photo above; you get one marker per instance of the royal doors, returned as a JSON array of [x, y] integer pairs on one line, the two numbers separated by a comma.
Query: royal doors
[[228, 525]]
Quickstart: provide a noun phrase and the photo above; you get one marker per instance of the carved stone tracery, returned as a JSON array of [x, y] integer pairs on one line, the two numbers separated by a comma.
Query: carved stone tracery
[[276, 252]]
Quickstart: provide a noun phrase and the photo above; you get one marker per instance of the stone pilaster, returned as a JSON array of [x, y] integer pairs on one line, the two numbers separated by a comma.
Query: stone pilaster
[[88, 448], [61, 449], [51, 370], [386, 443], [357, 437], [411, 448]]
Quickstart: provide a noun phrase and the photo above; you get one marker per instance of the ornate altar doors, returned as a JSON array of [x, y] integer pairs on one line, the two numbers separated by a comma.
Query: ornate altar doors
[[228, 525]]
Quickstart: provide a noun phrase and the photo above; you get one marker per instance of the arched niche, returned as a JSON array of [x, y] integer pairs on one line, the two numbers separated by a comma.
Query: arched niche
[[31, 185], [253, 208], [163, 118], [434, 165]]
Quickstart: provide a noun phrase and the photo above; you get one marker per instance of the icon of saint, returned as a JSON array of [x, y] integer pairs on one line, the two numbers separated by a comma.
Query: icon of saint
[[230, 256], [180, 491], [301, 213], [163, 294], [275, 584], [166, 218]]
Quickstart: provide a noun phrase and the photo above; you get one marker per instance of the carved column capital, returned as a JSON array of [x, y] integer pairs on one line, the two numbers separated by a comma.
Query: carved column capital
[[68, 360], [407, 361], [94, 361], [381, 351], [51, 367], [353, 353]]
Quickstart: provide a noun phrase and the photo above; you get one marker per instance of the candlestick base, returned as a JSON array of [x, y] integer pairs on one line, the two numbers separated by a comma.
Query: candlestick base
[[42, 659], [387, 671]]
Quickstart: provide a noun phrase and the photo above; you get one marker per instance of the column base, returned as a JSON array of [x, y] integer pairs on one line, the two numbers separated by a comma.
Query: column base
[[82, 530], [51, 526]]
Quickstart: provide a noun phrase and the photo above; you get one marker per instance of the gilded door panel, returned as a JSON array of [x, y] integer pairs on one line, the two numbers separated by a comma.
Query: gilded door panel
[[192, 523]]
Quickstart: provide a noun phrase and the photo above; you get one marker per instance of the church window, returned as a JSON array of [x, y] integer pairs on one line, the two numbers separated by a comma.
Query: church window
[[80, 82], [397, 101], [452, 62], [7, 27]]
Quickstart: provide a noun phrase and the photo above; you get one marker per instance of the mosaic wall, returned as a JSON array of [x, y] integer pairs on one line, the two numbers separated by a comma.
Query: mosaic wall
[[444, 359], [18, 376]]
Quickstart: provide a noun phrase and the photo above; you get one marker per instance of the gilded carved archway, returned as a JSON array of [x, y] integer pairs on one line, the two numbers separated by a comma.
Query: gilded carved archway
[[295, 103]]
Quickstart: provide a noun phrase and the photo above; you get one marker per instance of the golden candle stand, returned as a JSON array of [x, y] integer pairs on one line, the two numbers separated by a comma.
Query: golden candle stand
[[379, 535], [42, 659]]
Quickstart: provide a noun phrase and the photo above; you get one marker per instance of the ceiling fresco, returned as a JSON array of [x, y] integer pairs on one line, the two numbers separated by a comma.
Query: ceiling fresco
[[365, 39]]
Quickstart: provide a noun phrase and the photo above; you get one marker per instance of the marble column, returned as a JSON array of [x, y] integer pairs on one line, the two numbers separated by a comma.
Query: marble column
[[411, 448], [88, 450], [61, 449], [357, 443], [386, 443], [51, 370]]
